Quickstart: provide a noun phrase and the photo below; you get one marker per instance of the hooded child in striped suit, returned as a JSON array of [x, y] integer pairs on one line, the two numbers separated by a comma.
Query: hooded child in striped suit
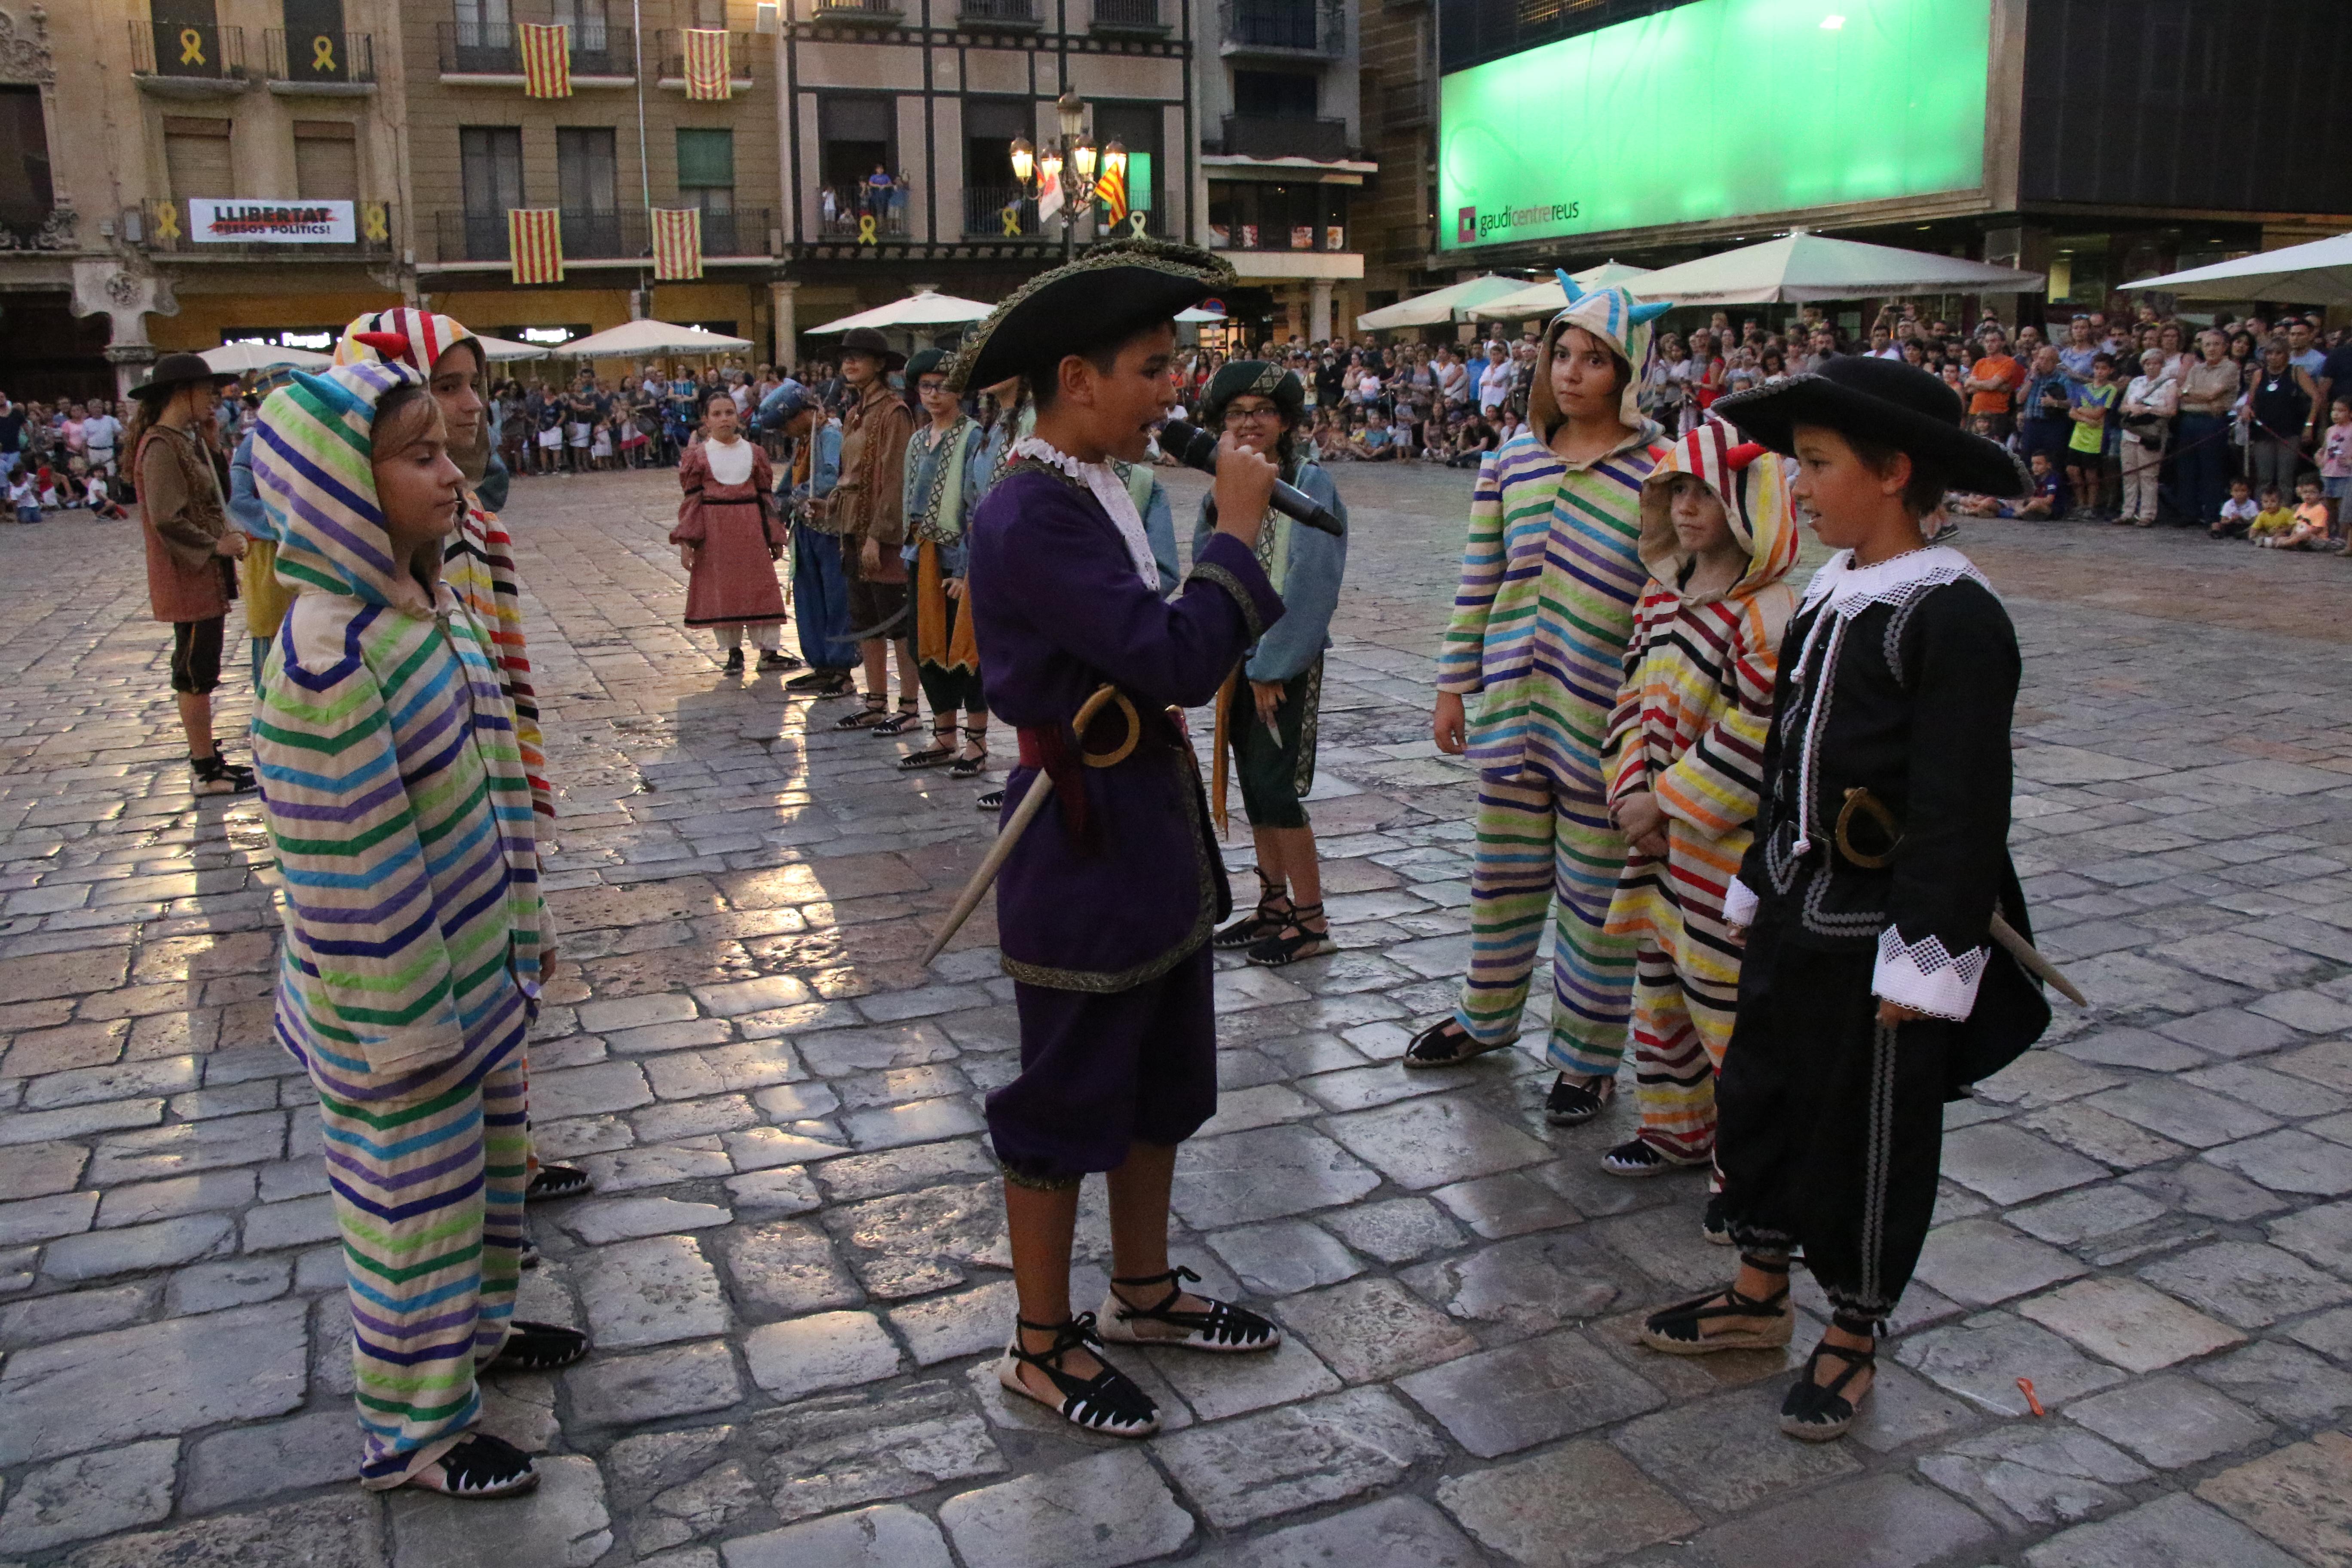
[[1526, 679], [1686, 759], [400, 813]]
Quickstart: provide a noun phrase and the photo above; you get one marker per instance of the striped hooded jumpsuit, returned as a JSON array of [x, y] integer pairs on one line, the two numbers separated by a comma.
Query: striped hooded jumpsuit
[[402, 818], [1536, 648], [1689, 731]]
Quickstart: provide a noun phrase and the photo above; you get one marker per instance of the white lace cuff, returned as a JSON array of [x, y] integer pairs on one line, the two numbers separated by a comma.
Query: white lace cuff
[[1922, 977], [1738, 904]]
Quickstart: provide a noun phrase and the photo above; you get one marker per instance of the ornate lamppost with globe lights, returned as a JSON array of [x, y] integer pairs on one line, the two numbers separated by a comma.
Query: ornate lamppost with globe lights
[[1070, 164]]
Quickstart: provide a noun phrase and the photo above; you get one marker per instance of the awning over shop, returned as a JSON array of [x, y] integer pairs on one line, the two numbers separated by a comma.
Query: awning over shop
[[1436, 308], [1801, 267], [923, 308], [1547, 299], [651, 337], [2317, 273]]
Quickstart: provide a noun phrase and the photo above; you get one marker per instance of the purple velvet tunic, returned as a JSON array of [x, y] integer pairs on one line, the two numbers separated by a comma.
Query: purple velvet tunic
[[1059, 609]]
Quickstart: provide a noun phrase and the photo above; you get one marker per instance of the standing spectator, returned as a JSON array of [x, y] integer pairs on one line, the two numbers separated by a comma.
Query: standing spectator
[[1454, 383], [2335, 380], [2201, 458], [2046, 409], [2086, 444], [12, 437], [183, 511], [101, 435], [2303, 350], [2150, 401], [1993, 381], [2282, 404], [1495, 382], [2080, 349], [2335, 453]]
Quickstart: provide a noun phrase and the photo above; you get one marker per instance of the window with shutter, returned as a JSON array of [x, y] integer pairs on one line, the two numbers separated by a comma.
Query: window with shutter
[[325, 160], [196, 157]]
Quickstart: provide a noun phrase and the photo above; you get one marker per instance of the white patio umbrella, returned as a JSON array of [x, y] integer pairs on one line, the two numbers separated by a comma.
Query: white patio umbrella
[[501, 349], [1801, 266], [1195, 313], [923, 308], [2318, 272], [1436, 308], [243, 359], [1548, 298], [633, 339]]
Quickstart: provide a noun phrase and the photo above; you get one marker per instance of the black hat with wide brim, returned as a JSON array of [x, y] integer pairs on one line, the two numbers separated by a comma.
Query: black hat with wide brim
[[1106, 296], [866, 341], [1882, 401], [175, 371]]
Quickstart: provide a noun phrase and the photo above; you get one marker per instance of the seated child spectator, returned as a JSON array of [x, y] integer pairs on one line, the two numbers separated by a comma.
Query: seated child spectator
[[2048, 497], [1473, 440], [2275, 521], [101, 502], [1381, 442], [2238, 513], [2308, 527], [24, 495]]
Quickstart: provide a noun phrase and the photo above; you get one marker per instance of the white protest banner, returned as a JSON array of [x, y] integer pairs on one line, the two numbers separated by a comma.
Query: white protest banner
[[263, 221]]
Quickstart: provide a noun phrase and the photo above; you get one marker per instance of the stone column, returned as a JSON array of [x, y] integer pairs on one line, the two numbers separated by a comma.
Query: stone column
[[782, 327], [1319, 310], [108, 287]]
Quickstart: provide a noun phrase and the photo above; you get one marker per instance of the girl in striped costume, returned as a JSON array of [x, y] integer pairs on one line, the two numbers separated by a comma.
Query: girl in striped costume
[[1550, 579], [402, 818], [1685, 755]]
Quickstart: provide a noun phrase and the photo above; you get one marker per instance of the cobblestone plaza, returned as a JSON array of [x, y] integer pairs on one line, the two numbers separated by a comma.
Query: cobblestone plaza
[[794, 1265]]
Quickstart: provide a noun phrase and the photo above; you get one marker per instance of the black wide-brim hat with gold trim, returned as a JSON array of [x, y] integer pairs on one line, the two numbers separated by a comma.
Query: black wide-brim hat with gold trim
[[1110, 293], [1882, 401], [1254, 377]]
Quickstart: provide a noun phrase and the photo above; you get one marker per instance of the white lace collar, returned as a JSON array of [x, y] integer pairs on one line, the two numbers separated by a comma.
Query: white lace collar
[[1103, 481], [1851, 589]]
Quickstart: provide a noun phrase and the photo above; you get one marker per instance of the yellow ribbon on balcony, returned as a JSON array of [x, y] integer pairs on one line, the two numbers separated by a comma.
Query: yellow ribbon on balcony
[[1011, 214], [373, 221], [167, 220], [865, 229], [192, 47], [322, 53]]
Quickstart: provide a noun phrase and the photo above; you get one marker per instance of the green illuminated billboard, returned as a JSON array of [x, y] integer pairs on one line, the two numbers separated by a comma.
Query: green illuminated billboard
[[1715, 109]]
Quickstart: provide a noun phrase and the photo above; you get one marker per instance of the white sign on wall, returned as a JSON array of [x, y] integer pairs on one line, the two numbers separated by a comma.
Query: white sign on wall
[[261, 221]]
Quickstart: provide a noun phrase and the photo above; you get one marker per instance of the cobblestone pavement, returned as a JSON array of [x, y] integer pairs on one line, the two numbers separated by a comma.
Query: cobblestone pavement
[[794, 1265]]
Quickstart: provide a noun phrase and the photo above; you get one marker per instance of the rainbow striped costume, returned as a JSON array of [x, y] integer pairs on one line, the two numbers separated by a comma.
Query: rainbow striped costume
[[402, 819], [1550, 579]]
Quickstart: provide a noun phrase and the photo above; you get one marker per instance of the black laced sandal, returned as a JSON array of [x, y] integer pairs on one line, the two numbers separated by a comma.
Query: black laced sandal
[[1639, 1157], [820, 683], [874, 710], [908, 715], [1224, 1328], [538, 1347], [1715, 1224], [989, 800], [1266, 921], [216, 774], [477, 1466], [1109, 1402], [1819, 1412], [1571, 1104], [1294, 940], [557, 1181], [972, 765], [734, 661], [1446, 1043], [776, 658], [1680, 1330], [940, 749]]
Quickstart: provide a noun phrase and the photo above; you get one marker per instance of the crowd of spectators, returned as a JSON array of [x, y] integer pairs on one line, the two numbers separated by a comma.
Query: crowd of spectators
[[63, 456], [2131, 416]]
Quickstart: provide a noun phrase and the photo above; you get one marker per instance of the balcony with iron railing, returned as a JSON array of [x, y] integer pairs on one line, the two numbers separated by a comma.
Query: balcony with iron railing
[[1280, 136], [860, 12], [322, 62], [864, 213], [469, 49], [1010, 212], [1286, 29], [670, 49], [1005, 15], [188, 58], [1134, 17], [1332, 236], [170, 227], [619, 236]]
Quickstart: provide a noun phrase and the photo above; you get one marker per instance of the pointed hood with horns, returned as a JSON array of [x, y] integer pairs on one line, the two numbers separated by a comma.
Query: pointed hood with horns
[[1617, 317], [406, 335], [1753, 487]]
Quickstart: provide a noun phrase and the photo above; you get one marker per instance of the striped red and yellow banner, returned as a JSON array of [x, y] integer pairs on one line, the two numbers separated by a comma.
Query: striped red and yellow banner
[[546, 49], [535, 244], [707, 73], [677, 243]]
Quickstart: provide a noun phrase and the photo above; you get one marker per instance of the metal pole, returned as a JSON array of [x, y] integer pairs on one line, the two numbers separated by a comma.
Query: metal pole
[[645, 168]]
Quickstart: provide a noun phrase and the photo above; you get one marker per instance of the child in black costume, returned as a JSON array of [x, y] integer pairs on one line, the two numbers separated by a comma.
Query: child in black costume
[[1872, 989]]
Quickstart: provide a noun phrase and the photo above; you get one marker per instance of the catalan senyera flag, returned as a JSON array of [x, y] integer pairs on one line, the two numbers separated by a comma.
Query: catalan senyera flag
[[546, 49], [677, 243], [1111, 191], [707, 74], [535, 244]]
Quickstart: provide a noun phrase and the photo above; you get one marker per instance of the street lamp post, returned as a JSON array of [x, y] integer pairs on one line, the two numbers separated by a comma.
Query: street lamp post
[[1067, 163]]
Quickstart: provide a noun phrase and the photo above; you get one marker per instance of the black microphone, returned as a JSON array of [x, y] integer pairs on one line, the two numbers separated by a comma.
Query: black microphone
[[1196, 448]]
